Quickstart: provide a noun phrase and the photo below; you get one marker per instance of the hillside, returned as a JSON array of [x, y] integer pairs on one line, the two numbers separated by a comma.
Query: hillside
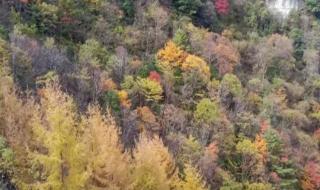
[[159, 94]]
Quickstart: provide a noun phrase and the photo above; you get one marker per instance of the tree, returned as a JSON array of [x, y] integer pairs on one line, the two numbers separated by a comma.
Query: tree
[[171, 56], [93, 54], [154, 168], [313, 6], [258, 17], [226, 55], [160, 16], [222, 6], [150, 89], [311, 178], [249, 155], [192, 180], [60, 152], [195, 64], [120, 63], [207, 111], [106, 161], [188, 7], [208, 165], [274, 143], [155, 76], [230, 90], [274, 57], [123, 98], [232, 84], [147, 120], [128, 8], [261, 145]]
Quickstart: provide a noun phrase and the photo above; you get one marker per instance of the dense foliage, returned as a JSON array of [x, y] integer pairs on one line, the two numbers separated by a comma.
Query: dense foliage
[[159, 95]]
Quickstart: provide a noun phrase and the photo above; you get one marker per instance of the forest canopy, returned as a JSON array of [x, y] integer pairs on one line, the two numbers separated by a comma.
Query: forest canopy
[[159, 95]]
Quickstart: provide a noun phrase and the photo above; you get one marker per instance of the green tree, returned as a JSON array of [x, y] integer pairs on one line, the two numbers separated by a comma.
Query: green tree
[[273, 141], [93, 53], [206, 111], [230, 90], [188, 7], [257, 17], [313, 6], [6, 157]]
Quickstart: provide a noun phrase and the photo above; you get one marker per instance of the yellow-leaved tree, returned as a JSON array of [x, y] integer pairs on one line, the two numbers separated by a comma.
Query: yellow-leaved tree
[[107, 162], [192, 180], [154, 168], [171, 56], [150, 89], [60, 153]]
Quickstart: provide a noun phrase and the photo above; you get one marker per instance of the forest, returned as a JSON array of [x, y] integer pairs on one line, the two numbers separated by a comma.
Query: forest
[[159, 94]]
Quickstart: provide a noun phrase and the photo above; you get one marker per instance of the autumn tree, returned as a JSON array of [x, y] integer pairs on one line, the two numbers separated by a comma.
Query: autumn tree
[[147, 120], [124, 99], [274, 57], [154, 167], [226, 55], [107, 163], [194, 64], [60, 152], [222, 6], [250, 157], [15, 123], [149, 89], [311, 178], [171, 56], [155, 76], [192, 180], [208, 164]]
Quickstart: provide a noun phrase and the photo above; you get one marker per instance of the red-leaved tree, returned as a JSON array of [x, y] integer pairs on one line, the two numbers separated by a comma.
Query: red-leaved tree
[[155, 76], [311, 179], [222, 6]]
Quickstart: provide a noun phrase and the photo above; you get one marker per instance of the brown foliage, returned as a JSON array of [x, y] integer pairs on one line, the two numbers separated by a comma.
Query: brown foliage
[[227, 56]]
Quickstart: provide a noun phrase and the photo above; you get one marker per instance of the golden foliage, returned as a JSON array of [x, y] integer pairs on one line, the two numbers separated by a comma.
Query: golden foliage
[[148, 120], [154, 166], [124, 100], [150, 89], [55, 128], [261, 146], [108, 165], [192, 180], [171, 56], [196, 64]]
